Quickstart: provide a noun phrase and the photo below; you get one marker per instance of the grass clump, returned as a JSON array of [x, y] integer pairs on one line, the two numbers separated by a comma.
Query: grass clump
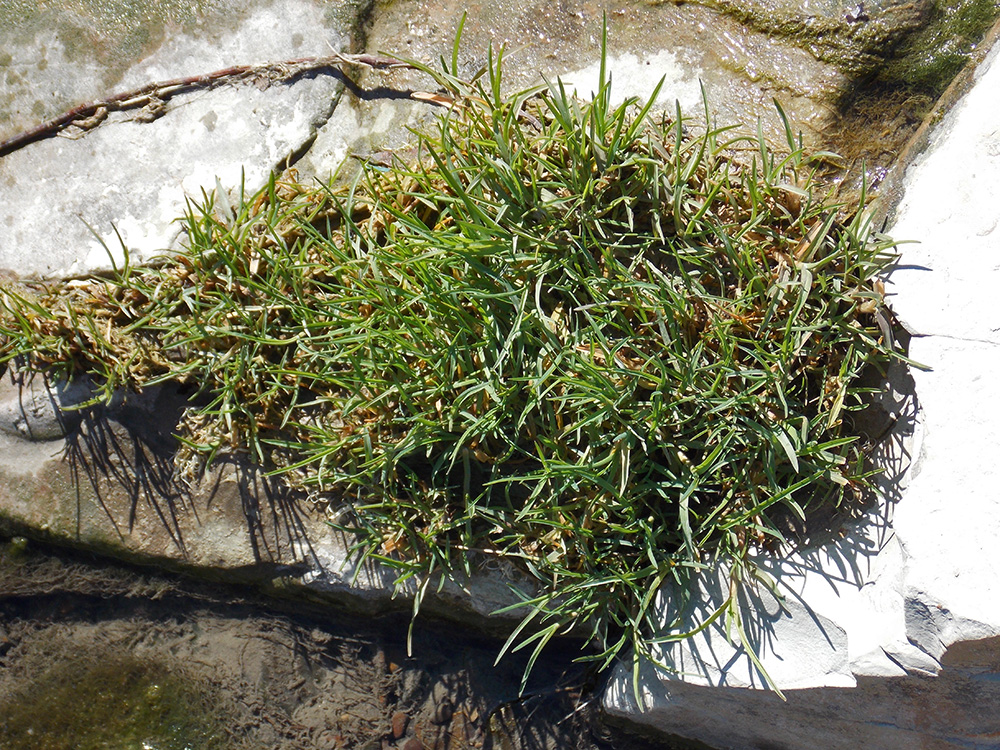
[[574, 336]]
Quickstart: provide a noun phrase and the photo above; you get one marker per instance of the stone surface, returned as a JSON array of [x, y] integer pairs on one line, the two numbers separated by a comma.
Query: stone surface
[[857, 39], [38, 411], [889, 636], [130, 182], [68, 206], [54, 56]]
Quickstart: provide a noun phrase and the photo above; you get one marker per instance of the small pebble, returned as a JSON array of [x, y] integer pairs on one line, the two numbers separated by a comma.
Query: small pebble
[[17, 547], [413, 744], [399, 723], [443, 712]]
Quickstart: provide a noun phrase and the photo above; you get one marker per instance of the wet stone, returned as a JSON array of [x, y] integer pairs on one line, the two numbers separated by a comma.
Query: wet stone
[[444, 711], [400, 721], [742, 69]]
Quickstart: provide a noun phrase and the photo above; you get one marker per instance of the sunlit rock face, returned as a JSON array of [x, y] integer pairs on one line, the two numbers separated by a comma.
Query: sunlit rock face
[[888, 636], [54, 56], [73, 202]]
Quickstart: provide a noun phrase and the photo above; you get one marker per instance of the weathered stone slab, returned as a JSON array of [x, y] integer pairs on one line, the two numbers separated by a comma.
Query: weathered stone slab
[[54, 56], [857, 38], [66, 204], [129, 183], [889, 636]]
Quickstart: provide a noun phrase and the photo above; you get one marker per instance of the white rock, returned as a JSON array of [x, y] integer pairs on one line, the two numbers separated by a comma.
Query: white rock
[[67, 207]]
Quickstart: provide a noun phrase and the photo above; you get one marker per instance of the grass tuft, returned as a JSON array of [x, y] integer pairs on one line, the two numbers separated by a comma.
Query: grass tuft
[[594, 342]]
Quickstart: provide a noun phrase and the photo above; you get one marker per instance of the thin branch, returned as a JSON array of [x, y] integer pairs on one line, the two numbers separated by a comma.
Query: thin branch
[[90, 114]]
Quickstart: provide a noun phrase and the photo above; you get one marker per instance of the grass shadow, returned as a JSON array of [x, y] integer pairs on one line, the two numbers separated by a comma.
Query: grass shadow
[[125, 453], [839, 551]]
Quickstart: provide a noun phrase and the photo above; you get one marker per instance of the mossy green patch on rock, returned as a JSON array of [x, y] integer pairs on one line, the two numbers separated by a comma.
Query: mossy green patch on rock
[[929, 59], [97, 699], [920, 45], [856, 44]]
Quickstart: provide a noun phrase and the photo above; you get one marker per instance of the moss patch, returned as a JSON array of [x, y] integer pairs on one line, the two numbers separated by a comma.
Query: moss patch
[[929, 59], [908, 44], [99, 700]]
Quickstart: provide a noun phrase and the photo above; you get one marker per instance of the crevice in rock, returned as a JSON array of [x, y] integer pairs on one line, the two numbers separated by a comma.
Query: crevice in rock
[[961, 339]]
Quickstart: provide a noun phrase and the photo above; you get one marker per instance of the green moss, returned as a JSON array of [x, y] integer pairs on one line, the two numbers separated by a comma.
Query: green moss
[[931, 58], [108, 700], [14, 549], [857, 49], [900, 46]]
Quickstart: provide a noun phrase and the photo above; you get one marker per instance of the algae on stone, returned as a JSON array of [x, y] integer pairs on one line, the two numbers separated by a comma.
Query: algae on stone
[[929, 59], [97, 699], [918, 44]]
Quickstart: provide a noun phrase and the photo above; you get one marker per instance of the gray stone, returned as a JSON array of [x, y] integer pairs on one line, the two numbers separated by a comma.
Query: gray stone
[[69, 206], [128, 184], [54, 56], [35, 409], [857, 38]]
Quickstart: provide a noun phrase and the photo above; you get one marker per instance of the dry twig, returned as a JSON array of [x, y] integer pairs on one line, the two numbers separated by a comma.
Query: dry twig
[[152, 96]]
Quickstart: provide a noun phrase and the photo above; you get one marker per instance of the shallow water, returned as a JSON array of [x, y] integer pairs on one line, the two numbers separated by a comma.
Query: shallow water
[[96, 699], [95, 655]]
